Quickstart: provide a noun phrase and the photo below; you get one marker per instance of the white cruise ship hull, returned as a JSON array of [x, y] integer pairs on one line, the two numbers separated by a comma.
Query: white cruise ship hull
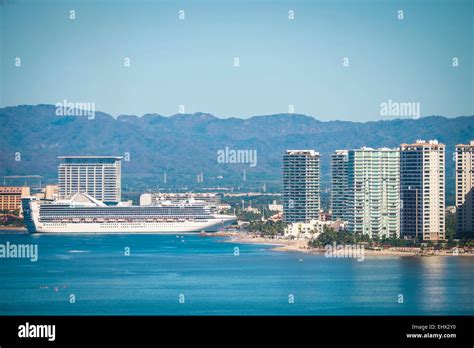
[[134, 227]]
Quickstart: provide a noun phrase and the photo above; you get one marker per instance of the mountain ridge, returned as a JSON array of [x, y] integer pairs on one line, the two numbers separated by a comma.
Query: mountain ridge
[[184, 145]]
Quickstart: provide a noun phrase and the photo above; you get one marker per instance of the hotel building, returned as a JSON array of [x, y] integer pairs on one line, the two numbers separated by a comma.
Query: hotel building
[[464, 190], [339, 160], [10, 197], [301, 182], [98, 176], [372, 199], [422, 180]]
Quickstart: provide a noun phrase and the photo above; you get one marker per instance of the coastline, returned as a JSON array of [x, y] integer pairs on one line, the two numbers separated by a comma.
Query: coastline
[[302, 246], [13, 229]]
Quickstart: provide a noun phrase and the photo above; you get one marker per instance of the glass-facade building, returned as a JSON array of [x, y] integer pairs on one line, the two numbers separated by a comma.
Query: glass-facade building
[[339, 161], [373, 192]]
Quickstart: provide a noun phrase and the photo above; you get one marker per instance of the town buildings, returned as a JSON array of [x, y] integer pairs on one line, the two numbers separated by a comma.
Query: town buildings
[[10, 197]]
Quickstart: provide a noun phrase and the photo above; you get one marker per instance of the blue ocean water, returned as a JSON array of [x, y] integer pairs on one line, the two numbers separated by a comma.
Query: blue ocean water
[[161, 270]]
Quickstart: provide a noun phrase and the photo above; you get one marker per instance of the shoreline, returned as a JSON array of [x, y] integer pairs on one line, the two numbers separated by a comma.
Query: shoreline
[[301, 246], [285, 245], [13, 229]]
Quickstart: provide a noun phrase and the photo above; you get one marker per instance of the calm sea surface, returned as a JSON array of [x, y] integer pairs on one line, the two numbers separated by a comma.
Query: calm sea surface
[[204, 272]]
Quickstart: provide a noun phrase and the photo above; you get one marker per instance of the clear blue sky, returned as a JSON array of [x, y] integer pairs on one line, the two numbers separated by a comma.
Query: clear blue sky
[[282, 61]]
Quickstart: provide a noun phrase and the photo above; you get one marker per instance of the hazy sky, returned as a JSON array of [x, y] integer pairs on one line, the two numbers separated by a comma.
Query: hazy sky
[[283, 61]]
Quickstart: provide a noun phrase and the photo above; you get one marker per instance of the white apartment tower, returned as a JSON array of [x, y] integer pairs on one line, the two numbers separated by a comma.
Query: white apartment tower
[[465, 190], [98, 176], [422, 179], [301, 186]]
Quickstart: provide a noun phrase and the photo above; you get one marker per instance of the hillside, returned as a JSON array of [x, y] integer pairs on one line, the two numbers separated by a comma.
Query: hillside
[[184, 145]]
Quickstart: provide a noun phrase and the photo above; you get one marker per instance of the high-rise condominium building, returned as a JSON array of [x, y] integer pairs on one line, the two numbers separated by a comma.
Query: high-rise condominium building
[[339, 160], [422, 179], [465, 190], [373, 192], [301, 185], [98, 176]]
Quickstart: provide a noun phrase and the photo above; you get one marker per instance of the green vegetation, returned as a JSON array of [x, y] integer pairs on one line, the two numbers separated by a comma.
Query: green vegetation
[[248, 216], [399, 242], [330, 236], [450, 225], [11, 219], [267, 229], [257, 202]]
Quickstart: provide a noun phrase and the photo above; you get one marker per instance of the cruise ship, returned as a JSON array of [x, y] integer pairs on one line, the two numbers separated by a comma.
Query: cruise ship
[[82, 213]]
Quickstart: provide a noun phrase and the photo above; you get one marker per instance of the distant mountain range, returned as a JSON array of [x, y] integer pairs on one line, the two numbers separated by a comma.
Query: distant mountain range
[[184, 145]]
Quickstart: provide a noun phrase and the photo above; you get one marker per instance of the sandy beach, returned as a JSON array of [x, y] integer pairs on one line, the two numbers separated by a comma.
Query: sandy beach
[[302, 246], [12, 229]]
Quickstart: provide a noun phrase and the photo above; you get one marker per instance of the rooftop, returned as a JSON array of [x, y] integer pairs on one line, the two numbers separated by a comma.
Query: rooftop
[[385, 149], [302, 152], [471, 144], [419, 143]]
